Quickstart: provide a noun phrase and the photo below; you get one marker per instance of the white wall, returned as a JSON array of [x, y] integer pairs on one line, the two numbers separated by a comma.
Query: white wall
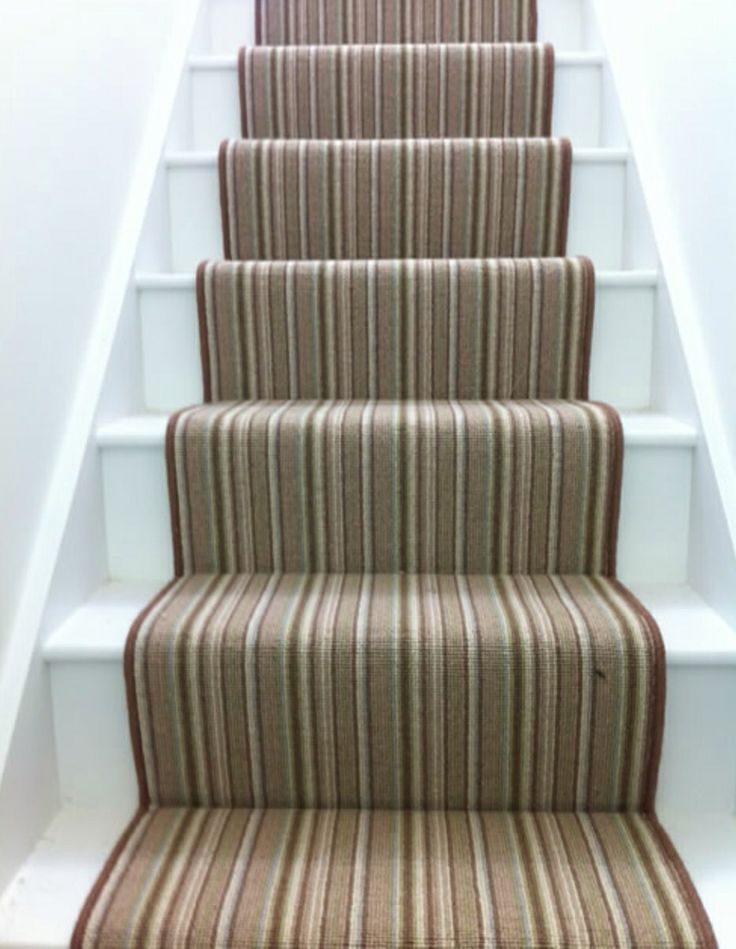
[[75, 77], [84, 98], [674, 66]]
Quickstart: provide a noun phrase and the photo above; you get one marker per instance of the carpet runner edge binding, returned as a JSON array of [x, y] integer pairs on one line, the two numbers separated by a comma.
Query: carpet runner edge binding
[[395, 695]]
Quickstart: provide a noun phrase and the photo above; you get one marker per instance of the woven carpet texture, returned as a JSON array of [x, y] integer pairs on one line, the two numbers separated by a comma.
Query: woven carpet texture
[[404, 329], [316, 22], [441, 91], [348, 200]]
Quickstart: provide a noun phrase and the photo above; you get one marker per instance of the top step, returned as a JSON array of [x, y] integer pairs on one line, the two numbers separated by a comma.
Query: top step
[[321, 22], [232, 23], [580, 110]]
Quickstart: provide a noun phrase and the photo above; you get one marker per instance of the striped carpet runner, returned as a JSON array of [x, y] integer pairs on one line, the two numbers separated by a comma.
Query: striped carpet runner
[[395, 486], [395, 695], [453, 91], [411, 329], [370, 721], [317, 22], [453, 198]]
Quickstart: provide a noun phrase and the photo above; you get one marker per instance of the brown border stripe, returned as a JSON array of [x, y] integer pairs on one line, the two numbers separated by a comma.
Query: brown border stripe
[[224, 209], [77, 940], [204, 347]]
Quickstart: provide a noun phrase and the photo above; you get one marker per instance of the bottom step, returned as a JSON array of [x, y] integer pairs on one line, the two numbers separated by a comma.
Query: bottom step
[[698, 771], [41, 906]]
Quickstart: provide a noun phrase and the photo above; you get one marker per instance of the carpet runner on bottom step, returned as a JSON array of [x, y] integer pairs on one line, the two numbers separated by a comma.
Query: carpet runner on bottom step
[[403, 691], [286, 878], [348, 200], [372, 92], [403, 329]]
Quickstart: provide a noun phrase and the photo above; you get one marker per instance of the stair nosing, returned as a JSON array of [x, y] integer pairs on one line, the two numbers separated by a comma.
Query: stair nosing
[[641, 428], [57, 651], [228, 62], [592, 155], [639, 277]]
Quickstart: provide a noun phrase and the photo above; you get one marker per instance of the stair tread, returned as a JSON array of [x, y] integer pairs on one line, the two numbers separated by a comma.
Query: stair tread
[[640, 428], [589, 155], [396, 690], [152, 280], [229, 61], [329, 878], [423, 184], [98, 629], [71, 853]]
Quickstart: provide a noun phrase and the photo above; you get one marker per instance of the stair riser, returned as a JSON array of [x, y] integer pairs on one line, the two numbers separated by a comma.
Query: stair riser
[[216, 108], [652, 538], [231, 24], [596, 225], [620, 359], [95, 762]]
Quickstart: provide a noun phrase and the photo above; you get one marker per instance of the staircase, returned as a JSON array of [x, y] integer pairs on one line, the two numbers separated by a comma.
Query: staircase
[[98, 769]]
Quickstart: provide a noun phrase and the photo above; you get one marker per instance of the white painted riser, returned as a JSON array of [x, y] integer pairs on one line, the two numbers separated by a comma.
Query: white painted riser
[[620, 361], [596, 226], [216, 108], [231, 24], [655, 505], [95, 763]]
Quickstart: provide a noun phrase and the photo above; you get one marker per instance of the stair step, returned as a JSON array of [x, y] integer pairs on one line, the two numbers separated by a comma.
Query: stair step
[[281, 877], [654, 510], [387, 487], [597, 207], [576, 112], [66, 861], [620, 360], [95, 762], [307, 92], [503, 21], [336, 723], [694, 633], [447, 198], [231, 24]]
